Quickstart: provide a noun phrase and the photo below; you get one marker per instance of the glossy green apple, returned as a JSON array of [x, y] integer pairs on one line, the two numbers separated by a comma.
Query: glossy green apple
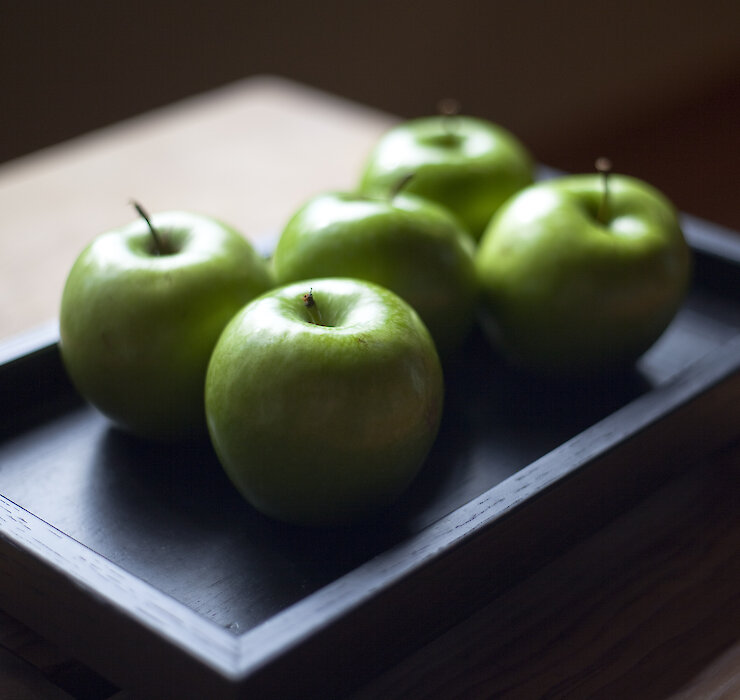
[[409, 245], [468, 165], [323, 399], [579, 277], [137, 327]]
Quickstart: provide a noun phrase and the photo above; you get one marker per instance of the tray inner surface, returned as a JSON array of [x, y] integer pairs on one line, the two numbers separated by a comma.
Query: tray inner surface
[[169, 516]]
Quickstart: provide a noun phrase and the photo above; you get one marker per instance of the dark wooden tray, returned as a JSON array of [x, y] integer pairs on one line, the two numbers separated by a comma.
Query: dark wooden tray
[[144, 562]]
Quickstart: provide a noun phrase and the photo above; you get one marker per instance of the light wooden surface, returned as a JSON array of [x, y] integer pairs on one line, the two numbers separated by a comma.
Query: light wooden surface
[[649, 607], [249, 154]]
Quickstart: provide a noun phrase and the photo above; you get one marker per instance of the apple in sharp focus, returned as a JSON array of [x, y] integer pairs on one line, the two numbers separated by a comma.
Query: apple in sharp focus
[[141, 311], [581, 274], [469, 165], [413, 247], [323, 398]]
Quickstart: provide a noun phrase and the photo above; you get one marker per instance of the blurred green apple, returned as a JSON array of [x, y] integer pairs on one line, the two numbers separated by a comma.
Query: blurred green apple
[[141, 312], [468, 165], [580, 275], [413, 247], [323, 399]]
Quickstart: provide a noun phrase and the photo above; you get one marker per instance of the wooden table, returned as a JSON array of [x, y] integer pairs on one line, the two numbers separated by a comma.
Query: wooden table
[[647, 607]]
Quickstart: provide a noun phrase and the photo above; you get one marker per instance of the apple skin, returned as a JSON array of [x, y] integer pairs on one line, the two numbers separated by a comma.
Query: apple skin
[[323, 424], [413, 247], [565, 295], [137, 329], [468, 165]]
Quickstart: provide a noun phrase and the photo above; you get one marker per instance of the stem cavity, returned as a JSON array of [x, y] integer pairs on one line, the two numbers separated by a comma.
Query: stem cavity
[[604, 166]]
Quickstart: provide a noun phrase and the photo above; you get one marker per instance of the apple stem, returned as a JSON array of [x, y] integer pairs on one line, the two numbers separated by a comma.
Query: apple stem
[[314, 314], [159, 247], [449, 108], [604, 166], [400, 184]]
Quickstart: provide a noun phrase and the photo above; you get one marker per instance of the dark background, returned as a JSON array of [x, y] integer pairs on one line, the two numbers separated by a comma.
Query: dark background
[[654, 85]]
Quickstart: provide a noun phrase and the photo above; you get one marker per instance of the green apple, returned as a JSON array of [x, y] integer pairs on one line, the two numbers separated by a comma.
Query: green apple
[[141, 311], [323, 398], [581, 274], [468, 165], [413, 247]]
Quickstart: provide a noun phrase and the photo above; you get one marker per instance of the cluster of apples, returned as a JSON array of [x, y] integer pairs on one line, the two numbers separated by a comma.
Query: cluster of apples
[[318, 374]]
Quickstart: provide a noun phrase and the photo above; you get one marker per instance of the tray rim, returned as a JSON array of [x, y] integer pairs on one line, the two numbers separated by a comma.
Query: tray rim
[[232, 659]]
